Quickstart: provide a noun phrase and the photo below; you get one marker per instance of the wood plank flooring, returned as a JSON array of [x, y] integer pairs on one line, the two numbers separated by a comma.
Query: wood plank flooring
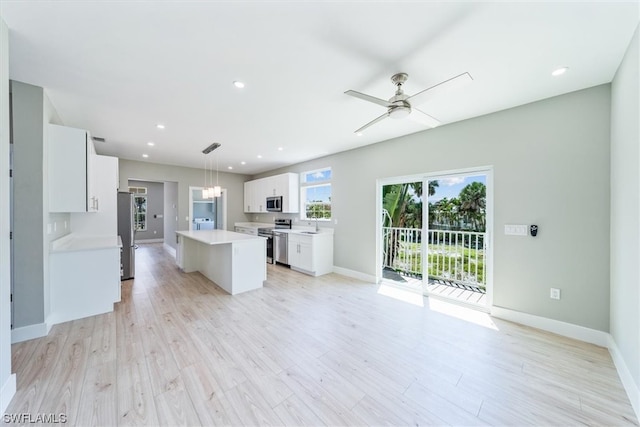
[[305, 351]]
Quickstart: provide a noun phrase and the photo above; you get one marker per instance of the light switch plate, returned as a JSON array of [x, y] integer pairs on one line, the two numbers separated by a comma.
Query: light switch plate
[[516, 230], [554, 293]]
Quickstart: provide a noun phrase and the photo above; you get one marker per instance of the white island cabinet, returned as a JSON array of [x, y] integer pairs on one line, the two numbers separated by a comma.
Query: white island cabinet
[[236, 262], [311, 253]]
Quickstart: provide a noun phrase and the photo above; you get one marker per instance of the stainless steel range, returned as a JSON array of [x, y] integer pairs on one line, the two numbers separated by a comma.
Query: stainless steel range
[[276, 242]]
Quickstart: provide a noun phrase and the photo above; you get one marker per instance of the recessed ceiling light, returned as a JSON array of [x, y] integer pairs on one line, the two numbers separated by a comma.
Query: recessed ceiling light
[[559, 71], [145, 155], [229, 167], [259, 156], [151, 143], [238, 84], [160, 126], [280, 148], [243, 163], [359, 133]]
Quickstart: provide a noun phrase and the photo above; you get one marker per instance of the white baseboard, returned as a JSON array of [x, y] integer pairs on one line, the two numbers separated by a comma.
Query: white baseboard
[[7, 392], [149, 240], [355, 274], [556, 326], [169, 249], [30, 332], [632, 389]]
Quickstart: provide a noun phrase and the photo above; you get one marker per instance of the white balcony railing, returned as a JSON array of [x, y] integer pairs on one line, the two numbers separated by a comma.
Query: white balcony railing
[[457, 256]]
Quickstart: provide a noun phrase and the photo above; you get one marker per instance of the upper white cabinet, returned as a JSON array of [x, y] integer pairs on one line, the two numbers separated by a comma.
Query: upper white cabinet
[[284, 185], [71, 160]]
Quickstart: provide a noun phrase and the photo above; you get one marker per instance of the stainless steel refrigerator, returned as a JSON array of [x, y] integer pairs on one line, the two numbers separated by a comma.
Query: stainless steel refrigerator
[[126, 230]]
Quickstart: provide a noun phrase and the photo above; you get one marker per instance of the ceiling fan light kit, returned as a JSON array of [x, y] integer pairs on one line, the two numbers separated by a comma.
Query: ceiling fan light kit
[[402, 105]]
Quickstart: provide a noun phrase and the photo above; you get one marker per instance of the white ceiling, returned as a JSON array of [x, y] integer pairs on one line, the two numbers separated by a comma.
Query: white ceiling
[[118, 68]]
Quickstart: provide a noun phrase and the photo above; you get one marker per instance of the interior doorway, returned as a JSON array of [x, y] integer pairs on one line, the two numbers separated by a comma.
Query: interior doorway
[[435, 234], [207, 213]]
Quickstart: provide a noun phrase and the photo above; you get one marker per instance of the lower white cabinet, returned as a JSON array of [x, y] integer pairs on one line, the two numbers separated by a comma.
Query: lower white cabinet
[[83, 283], [311, 253]]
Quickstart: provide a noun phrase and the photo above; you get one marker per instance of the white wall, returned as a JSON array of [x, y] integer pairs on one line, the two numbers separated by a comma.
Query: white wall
[[7, 380], [551, 168], [625, 218]]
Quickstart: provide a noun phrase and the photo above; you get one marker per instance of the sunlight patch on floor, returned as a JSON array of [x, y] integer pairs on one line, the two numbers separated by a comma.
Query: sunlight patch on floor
[[462, 313], [408, 296]]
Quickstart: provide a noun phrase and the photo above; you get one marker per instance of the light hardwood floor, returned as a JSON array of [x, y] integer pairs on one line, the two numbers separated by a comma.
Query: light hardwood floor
[[305, 351]]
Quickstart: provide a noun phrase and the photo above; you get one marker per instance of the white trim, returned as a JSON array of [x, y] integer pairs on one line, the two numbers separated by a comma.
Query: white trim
[[632, 389], [565, 329], [149, 240], [355, 274], [7, 392], [169, 249], [30, 332]]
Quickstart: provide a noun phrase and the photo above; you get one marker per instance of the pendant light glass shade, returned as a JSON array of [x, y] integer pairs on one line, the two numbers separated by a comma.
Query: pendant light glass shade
[[217, 191]]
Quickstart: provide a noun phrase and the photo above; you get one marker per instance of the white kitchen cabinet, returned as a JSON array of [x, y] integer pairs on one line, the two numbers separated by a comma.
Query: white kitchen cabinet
[[311, 253], [71, 174], [105, 220], [84, 276], [257, 191]]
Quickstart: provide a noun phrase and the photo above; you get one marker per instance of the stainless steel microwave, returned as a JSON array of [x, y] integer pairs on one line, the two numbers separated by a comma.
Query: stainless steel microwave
[[274, 204]]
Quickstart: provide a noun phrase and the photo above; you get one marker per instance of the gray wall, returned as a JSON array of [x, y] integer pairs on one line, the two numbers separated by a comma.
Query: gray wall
[[551, 168], [28, 215], [625, 211], [185, 177], [33, 227], [7, 381], [155, 207], [170, 213]]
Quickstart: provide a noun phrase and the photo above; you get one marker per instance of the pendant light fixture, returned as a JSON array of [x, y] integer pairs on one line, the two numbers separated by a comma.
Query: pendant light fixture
[[209, 192], [216, 191], [205, 189]]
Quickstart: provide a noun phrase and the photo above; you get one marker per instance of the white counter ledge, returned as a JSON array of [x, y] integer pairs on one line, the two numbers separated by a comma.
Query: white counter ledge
[[234, 261], [78, 242], [216, 237]]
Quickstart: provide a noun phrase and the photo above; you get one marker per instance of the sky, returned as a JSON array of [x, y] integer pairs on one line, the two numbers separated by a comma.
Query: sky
[[450, 187]]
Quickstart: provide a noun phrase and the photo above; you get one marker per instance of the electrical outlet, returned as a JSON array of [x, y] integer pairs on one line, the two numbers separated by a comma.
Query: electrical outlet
[[65, 225], [555, 293]]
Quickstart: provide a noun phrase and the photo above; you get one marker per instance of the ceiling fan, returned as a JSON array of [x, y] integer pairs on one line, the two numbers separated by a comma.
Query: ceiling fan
[[402, 105]]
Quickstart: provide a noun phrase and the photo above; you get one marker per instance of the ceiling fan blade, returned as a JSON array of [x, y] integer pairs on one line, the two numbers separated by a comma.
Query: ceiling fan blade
[[373, 122], [422, 117], [369, 98], [437, 90]]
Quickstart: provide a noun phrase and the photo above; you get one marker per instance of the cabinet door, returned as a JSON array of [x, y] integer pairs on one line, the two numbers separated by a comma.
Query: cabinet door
[[93, 176], [259, 195], [67, 169], [301, 252], [248, 196]]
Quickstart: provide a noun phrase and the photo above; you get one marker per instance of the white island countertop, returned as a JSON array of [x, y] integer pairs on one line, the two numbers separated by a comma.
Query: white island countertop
[[217, 237], [80, 242]]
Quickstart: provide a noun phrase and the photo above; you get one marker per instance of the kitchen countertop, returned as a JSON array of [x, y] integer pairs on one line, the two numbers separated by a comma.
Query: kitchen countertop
[[216, 237], [78, 242], [253, 224]]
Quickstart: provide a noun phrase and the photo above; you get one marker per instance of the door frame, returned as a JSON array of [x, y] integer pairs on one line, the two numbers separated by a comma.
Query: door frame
[[219, 215], [424, 177]]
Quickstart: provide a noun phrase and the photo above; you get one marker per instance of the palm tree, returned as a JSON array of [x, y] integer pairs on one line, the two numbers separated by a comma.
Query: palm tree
[[473, 201]]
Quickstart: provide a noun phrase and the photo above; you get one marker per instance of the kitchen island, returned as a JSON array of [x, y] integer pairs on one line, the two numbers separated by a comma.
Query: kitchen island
[[236, 262]]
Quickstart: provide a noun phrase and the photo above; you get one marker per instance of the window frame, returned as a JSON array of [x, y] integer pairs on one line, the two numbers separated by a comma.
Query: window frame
[[304, 186]]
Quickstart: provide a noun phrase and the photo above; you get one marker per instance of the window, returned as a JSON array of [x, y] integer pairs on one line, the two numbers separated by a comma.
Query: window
[[315, 194], [140, 206]]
